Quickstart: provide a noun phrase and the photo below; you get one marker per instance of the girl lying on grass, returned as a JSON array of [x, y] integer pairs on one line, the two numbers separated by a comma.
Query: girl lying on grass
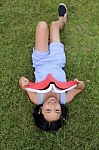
[[50, 112]]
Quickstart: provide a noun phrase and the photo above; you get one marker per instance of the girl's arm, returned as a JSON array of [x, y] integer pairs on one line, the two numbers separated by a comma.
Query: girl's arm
[[32, 95], [72, 93]]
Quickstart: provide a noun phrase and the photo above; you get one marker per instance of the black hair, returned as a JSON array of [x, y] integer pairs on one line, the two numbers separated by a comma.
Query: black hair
[[43, 124]]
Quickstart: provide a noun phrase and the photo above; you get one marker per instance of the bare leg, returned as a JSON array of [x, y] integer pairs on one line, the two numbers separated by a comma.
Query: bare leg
[[55, 28], [41, 37]]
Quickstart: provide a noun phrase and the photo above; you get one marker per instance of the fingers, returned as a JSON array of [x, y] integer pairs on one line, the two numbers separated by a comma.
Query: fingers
[[76, 80], [23, 81]]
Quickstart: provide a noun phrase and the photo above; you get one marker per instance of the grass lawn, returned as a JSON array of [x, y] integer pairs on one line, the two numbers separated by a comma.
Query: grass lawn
[[80, 37]]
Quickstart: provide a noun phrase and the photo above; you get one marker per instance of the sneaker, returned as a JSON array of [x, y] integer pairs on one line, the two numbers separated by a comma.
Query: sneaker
[[62, 11]]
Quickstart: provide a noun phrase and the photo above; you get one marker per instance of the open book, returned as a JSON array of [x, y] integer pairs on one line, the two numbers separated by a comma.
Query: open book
[[50, 84]]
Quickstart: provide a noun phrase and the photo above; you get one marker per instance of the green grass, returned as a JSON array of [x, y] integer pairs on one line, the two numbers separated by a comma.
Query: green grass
[[18, 19]]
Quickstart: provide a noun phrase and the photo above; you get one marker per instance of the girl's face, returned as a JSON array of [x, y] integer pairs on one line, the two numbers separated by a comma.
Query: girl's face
[[51, 109]]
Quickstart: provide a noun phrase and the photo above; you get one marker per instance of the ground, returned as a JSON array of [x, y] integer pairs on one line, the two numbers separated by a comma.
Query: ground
[[18, 19]]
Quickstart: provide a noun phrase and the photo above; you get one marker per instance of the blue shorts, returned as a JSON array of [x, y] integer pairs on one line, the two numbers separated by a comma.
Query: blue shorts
[[51, 61]]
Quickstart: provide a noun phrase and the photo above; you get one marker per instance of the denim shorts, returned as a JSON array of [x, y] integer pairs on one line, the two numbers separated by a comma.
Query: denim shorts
[[51, 61]]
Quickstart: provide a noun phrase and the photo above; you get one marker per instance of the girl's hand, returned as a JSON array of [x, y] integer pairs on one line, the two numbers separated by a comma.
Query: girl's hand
[[81, 84], [72, 93], [23, 81]]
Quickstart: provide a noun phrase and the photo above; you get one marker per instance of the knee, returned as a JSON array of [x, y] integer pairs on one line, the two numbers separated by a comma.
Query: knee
[[42, 25], [54, 24]]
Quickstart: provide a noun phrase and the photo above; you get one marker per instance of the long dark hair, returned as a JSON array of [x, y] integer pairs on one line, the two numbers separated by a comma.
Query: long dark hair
[[43, 124]]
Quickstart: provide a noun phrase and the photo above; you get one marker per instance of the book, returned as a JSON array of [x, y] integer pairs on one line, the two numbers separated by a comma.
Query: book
[[50, 84]]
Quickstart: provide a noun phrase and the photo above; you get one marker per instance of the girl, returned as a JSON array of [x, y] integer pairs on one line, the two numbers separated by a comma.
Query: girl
[[50, 112]]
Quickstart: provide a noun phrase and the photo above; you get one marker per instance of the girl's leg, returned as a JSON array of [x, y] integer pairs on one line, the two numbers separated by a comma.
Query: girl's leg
[[41, 36], [56, 26]]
